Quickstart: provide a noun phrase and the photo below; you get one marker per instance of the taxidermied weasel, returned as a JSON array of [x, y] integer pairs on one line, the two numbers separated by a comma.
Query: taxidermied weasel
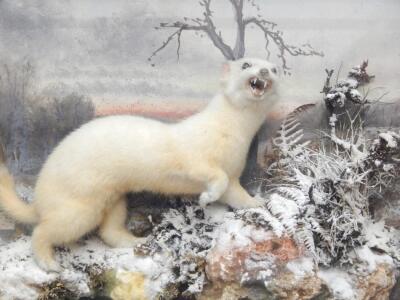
[[83, 183]]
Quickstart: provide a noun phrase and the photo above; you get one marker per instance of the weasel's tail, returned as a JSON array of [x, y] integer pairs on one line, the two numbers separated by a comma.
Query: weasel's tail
[[9, 200]]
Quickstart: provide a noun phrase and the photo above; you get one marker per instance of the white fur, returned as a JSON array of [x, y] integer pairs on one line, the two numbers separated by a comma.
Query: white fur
[[83, 183]]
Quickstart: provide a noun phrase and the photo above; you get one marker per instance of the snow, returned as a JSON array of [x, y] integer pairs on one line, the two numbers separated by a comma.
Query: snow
[[284, 209], [339, 282], [282, 206], [216, 212], [332, 120], [226, 231], [294, 193], [20, 277], [260, 217], [352, 83], [389, 137], [371, 259], [260, 270], [19, 271], [388, 167], [301, 267], [337, 94], [377, 235], [233, 233], [20, 274], [355, 94]]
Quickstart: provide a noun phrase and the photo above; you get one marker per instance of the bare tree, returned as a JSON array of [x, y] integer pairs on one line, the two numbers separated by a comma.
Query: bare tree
[[206, 25], [273, 37], [55, 118], [15, 92], [31, 125]]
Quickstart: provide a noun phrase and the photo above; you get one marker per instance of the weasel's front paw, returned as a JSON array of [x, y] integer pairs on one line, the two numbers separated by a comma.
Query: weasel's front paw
[[250, 202], [256, 201], [131, 242], [49, 265], [205, 198]]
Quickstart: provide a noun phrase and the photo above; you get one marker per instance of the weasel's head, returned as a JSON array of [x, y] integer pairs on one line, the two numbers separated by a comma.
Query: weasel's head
[[248, 81]]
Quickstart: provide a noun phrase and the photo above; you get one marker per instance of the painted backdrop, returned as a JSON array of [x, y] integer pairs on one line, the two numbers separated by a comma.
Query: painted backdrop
[[64, 62]]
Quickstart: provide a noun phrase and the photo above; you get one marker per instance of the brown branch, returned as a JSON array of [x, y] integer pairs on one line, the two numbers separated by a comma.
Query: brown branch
[[212, 32], [266, 47], [261, 21], [206, 25], [239, 49], [178, 48], [254, 4], [181, 27]]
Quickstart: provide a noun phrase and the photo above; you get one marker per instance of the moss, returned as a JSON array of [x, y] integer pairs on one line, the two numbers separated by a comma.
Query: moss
[[101, 282], [56, 290]]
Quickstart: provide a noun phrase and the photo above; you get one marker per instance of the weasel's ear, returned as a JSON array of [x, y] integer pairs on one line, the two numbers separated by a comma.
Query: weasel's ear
[[226, 69]]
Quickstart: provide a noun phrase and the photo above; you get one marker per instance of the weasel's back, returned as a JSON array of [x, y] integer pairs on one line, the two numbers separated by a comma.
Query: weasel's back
[[106, 143]]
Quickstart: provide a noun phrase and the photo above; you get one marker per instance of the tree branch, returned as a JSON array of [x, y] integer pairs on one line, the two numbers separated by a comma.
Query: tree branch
[[212, 32], [239, 49], [206, 25], [181, 27], [276, 36]]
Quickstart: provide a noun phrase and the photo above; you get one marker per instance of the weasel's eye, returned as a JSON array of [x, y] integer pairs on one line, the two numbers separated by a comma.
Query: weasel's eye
[[246, 65], [274, 70]]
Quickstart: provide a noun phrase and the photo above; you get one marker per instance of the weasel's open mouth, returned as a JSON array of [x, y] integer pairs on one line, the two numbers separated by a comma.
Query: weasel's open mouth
[[259, 86]]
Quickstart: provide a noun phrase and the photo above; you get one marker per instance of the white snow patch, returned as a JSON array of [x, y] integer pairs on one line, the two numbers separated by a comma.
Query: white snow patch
[[355, 94], [377, 235], [216, 212], [282, 206], [234, 233], [20, 274], [339, 282], [388, 167], [352, 83], [372, 259], [301, 267], [389, 137], [285, 210]]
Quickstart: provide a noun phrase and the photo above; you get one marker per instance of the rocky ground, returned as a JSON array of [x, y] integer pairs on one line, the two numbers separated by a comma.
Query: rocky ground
[[191, 253]]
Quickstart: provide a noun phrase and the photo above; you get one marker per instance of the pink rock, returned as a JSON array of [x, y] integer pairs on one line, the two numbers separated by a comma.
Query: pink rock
[[256, 261]]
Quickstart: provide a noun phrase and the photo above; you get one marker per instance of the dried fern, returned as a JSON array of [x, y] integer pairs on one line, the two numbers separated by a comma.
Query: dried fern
[[288, 137], [321, 197]]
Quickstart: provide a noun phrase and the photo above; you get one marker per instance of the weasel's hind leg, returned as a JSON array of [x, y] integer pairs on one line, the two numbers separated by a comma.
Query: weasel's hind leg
[[113, 231], [237, 197], [63, 226]]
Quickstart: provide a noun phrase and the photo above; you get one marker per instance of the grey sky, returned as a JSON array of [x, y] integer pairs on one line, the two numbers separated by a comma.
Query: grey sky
[[100, 47]]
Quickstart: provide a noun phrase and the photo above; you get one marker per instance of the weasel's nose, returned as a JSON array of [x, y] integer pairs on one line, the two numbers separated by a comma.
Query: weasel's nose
[[264, 72]]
